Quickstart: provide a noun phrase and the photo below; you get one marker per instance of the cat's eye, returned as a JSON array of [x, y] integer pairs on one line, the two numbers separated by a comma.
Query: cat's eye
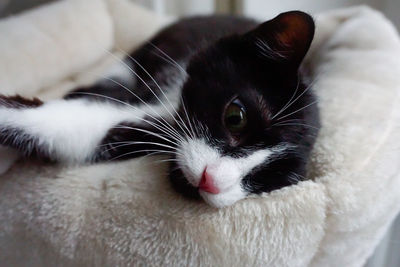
[[235, 118]]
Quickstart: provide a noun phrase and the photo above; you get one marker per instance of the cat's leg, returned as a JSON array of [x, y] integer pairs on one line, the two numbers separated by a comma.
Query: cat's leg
[[119, 116], [81, 130]]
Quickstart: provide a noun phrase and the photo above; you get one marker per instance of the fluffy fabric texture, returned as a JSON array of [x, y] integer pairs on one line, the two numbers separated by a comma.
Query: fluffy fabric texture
[[126, 213], [51, 42]]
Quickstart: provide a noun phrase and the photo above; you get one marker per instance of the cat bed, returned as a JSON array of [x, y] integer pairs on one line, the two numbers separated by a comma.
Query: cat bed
[[126, 213]]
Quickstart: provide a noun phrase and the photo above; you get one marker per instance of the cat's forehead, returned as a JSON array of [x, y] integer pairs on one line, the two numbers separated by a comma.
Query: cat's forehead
[[224, 73], [209, 95]]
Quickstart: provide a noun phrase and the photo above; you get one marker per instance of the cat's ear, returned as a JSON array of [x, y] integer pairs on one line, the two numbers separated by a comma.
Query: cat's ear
[[285, 38]]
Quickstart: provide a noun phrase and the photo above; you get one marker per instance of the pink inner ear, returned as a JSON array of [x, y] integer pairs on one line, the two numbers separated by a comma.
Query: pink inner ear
[[295, 33], [288, 37]]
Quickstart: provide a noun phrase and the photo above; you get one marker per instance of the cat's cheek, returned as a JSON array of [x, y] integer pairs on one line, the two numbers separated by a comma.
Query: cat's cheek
[[227, 198]]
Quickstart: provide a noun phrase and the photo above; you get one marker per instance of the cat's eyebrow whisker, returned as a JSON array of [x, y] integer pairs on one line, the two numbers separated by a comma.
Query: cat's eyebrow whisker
[[288, 103], [290, 120], [148, 87], [297, 98], [295, 124], [298, 110]]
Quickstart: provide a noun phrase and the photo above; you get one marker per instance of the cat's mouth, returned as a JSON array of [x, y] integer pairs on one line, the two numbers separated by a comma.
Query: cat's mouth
[[200, 169], [206, 190]]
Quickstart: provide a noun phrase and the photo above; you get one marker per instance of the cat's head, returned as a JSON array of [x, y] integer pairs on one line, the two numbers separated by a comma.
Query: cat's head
[[251, 118]]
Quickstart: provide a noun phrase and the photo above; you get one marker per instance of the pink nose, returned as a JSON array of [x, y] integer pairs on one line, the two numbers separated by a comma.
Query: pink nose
[[207, 183]]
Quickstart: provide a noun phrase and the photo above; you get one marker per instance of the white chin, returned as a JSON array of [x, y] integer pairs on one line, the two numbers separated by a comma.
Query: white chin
[[224, 199]]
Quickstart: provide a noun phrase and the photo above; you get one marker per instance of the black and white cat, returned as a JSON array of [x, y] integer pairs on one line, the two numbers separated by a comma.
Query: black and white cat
[[222, 96]]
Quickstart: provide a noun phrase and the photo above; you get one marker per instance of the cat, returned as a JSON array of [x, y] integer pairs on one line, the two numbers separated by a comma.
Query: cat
[[223, 97]]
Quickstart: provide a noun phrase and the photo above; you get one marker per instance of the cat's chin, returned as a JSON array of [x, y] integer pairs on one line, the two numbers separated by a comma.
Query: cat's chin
[[223, 199]]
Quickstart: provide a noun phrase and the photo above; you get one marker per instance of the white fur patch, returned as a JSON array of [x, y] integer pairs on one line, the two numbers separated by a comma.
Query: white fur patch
[[195, 155], [71, 130]]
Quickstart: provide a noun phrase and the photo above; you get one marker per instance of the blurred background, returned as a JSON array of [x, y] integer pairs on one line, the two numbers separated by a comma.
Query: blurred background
[[261, 9], [388, 252]]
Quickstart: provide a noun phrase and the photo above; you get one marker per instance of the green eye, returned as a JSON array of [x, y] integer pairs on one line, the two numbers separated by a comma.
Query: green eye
[[235, 117]]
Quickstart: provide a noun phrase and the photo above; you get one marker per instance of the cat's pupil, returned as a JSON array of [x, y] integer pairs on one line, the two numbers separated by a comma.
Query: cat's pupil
[[235, 120]]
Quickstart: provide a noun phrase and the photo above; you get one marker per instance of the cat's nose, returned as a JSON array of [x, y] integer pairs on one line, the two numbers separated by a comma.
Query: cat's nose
[[207, 183]]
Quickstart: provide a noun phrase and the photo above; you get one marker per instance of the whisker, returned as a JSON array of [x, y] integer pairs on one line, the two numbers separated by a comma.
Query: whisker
[[144, 82], [292, 120], [136, 152], [166, 55], [119, 142], [288, 121], [162, 92], [294, 124], [149, 155], [187, 116], [143, 143], [158, 54], [300, 109], [145, 131], [288, 103], [297, 98], [141, 79], [133, 107], [173, 62], [140, 151], [166, 160], [165, 124]]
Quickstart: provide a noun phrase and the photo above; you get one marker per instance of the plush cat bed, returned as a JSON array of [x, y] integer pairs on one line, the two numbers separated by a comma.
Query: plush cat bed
[[126, 213]]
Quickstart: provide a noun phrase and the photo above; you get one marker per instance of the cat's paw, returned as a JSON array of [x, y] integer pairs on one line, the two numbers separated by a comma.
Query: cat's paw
[[13, 123]]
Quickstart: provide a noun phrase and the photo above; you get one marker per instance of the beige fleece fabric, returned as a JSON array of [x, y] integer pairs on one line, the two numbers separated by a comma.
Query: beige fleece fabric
[[126, 213]]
